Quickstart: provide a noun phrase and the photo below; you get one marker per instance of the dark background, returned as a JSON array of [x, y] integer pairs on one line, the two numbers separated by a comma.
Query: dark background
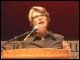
[[64, 17]]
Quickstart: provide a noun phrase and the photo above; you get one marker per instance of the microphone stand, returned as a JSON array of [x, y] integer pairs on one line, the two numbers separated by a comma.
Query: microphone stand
[[13, 39], [34, 29]]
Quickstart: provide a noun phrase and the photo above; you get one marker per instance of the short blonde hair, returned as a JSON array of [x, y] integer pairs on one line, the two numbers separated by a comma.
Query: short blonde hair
[[38, 9]]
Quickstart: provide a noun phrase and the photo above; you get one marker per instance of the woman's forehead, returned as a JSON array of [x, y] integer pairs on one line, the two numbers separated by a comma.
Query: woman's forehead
[[36, 13]]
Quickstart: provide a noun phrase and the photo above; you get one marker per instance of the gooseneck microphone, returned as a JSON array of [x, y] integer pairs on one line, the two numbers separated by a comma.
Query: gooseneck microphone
[[33, 30]]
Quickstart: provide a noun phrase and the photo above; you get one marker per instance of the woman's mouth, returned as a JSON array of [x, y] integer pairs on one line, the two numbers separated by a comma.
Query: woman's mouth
[[41, 22]]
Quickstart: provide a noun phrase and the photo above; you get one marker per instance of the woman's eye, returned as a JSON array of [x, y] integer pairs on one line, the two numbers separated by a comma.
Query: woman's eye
[[38, 16], [35, 17], [42, 15]]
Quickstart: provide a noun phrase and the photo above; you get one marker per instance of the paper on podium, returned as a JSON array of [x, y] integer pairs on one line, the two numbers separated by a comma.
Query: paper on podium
[[34, 53]]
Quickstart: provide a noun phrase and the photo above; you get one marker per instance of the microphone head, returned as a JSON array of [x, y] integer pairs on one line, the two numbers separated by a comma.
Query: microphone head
[[36, 27]]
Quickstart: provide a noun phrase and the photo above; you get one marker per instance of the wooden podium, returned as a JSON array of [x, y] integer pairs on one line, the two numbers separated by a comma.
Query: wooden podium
[[35, 53]]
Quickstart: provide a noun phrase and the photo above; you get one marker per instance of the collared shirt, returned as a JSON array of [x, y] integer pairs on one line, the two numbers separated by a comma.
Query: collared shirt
[[51, 40]]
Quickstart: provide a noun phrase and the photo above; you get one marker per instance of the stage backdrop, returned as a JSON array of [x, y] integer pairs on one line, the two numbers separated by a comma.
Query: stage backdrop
[[64, 17]]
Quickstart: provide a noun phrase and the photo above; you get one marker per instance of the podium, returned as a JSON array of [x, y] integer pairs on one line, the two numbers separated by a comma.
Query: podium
[[35, 53]]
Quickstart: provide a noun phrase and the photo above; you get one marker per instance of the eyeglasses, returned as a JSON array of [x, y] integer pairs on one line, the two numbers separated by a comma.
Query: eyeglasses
[[37, 16]]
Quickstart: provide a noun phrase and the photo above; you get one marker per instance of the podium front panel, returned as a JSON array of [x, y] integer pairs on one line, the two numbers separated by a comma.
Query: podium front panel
[[34, 53]]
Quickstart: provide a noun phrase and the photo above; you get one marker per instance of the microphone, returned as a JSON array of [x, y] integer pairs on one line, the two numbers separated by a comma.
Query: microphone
[[33, 30]]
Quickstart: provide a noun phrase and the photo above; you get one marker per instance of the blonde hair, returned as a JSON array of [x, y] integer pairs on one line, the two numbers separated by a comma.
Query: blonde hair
[[37, 9]]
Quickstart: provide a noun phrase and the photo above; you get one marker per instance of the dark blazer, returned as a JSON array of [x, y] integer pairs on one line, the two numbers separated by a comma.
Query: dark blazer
[[51, 40]]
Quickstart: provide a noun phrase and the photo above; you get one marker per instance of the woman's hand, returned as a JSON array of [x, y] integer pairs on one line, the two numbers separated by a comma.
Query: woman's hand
[[66, 46]]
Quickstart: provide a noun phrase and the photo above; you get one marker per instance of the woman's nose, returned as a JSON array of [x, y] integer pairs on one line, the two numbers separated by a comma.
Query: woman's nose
[[40, 18]]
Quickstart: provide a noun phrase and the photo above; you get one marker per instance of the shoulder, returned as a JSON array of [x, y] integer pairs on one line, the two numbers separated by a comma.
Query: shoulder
[[58, 35]]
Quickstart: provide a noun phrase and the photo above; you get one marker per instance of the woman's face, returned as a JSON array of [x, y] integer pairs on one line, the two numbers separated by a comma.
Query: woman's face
[[39, 20]]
